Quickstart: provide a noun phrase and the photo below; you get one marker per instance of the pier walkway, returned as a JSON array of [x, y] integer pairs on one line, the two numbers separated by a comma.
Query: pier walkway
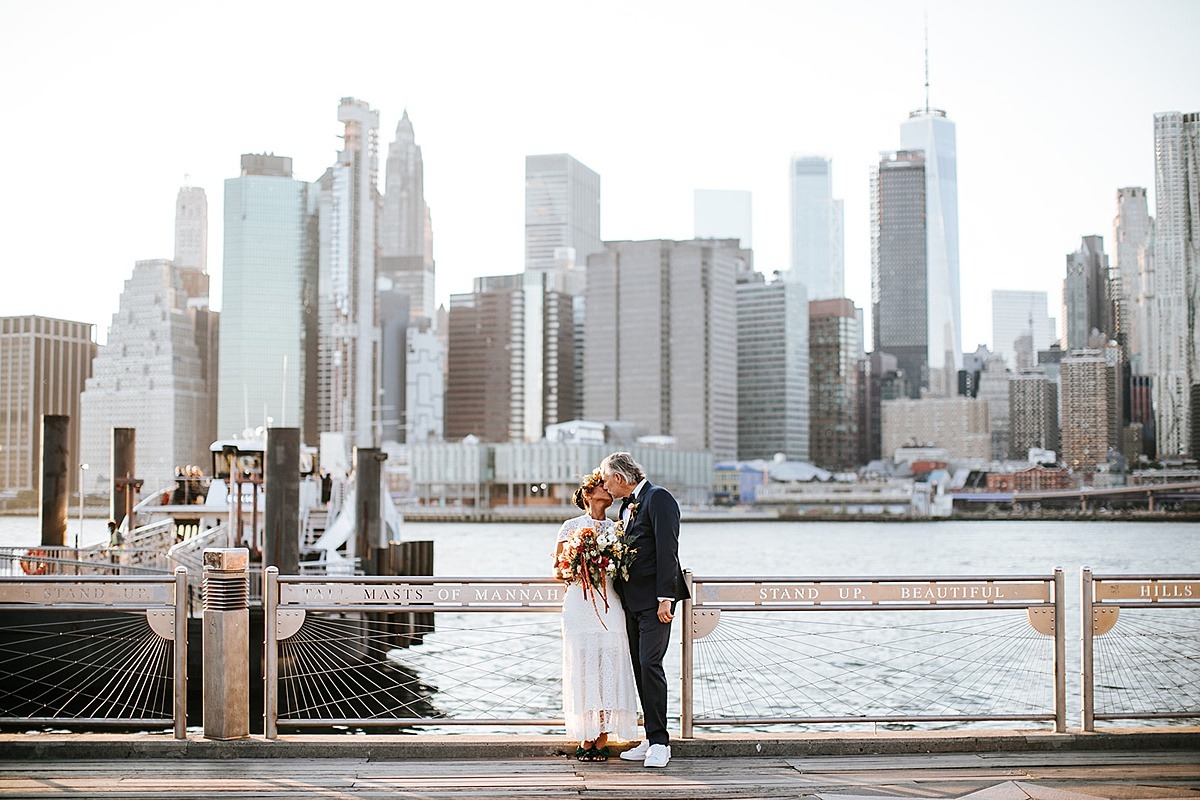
[[1126, 765]]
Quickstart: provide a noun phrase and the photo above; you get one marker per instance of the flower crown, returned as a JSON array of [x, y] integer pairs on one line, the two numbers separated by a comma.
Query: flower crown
[[591, 481]]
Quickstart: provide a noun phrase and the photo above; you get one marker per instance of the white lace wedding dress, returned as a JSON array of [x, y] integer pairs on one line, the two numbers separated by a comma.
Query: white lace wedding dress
[[599, 695]]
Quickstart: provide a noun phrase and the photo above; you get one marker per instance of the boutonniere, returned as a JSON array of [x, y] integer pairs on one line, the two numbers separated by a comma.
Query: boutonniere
[[633, 507]]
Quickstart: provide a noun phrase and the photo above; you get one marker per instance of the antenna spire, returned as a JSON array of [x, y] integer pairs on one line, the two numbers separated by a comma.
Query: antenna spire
[[926, 60]]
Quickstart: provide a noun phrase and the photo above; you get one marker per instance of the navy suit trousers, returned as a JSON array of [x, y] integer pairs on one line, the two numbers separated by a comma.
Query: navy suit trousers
[[648, 640]]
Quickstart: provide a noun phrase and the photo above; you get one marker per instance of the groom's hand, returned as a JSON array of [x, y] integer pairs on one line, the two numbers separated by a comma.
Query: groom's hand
[[664, 611]]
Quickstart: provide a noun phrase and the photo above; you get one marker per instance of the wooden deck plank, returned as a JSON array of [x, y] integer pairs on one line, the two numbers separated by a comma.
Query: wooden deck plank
[[1054, 776]]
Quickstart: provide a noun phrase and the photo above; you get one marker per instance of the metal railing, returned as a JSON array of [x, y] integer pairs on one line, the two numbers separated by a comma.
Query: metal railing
[[345, 651], [817, 651], [364, 652], [94, 650], [22, 562], [1140, 647], [361, 651]]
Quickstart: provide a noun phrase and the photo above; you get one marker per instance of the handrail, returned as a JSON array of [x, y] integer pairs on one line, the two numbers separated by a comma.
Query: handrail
[[1102, 597]]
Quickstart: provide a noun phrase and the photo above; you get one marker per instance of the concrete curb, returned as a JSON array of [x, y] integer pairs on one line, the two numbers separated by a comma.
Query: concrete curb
[[71, 747]]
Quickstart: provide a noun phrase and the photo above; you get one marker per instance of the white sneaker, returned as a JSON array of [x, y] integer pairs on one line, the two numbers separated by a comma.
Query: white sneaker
[[637, 753], [658, 755]]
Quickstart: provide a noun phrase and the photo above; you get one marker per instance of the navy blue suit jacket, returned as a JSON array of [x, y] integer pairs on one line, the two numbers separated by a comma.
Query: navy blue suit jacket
[[654, 532]]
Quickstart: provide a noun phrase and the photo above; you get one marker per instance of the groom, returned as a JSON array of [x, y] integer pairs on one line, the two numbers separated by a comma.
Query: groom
[[654, 585]]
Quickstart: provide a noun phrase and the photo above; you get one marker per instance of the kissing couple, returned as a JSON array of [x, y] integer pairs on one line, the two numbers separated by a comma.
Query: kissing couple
[[624, 581]]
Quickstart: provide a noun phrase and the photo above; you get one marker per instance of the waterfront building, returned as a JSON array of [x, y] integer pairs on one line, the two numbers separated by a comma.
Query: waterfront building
[[154, 375], [1090, 420], [722, 214], [1175, 362], [993, 389], [834, 336], [1086, 296], [268, 299], [405, 224], [899, 266], [562, 228], [957, 424], [818, 229], [772, 369], [1133, 231], [347, 207], [493, 364], [487, 474], [1017, 313], [665, 312], [1033, 413], [44, 364], [928, 131]]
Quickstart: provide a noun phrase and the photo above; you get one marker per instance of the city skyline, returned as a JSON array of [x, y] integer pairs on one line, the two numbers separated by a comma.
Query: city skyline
[[1024, 164]]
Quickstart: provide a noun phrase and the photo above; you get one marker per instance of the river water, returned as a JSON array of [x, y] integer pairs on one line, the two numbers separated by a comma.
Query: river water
[[825, 549]]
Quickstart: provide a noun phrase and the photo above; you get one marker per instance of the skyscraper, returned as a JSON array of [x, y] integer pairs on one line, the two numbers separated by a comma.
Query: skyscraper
[[1132, 234], [1033, 413], [722, 214], [1086, 410], [900, 281], [661, 333], [406, 228], [191, 228], [818, 238], [1087, 298], [1176, 357], [485, 371], [993, 388], [562, 213], [409, 348], [562, 228], [492, 362], [834, 374], [772, 369], [348, 328], [267, 301], [1017, 313], [44, 364], [928, 131], [151, 376]]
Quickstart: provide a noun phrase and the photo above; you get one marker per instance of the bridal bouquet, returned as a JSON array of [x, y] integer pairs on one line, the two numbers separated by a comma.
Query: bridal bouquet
[[592, 554]]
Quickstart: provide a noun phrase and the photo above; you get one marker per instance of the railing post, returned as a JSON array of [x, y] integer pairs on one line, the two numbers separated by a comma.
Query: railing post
[[1060, 652], [226, 643], [1086, 629], [181, 626], [271, 652], [685, 692]]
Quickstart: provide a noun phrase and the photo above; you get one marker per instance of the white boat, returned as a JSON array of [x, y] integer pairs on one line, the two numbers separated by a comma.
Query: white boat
[[173, 525]]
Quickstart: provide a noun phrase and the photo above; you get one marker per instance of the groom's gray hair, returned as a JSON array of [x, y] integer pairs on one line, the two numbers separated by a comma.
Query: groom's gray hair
[[623, 464]]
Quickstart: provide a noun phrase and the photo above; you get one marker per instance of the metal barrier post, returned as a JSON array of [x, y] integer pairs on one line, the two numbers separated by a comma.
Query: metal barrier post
[[1086, 629], [181, 625], [1060, 652], [685, 692], [226, 643], [271, 653]]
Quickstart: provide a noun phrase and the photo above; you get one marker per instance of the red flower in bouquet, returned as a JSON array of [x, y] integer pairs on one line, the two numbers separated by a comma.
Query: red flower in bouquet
[[592, 554]]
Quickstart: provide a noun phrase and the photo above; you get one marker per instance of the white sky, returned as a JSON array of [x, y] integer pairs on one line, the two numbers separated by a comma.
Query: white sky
[[107, 106]]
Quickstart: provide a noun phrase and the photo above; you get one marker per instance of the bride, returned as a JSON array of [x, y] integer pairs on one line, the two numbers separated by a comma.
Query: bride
[[599, 696]]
